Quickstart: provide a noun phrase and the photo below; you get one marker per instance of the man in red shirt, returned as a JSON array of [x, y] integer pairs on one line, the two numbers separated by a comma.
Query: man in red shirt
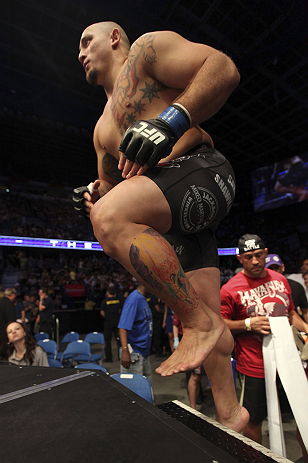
[[247, 301]]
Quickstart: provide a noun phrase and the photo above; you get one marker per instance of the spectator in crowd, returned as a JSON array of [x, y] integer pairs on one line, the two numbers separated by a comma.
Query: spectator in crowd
[[274, 262], [194, 386], [168, 325], [157, 315], [31, 311], [44, 318], [305, 276], [177, 331], [19, 347], [135, 330], [194, 389], [295, 180], [247, 302], [89, 304], [299, 276], [7, 308], [20, 313], [110, 311]]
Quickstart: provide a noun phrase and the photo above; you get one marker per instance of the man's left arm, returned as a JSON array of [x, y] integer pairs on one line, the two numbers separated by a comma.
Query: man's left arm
[[303, 304], [41, 305], [207, 78], [305, 314], [125, 359], [23, 315], [297, 321], [206, 75]]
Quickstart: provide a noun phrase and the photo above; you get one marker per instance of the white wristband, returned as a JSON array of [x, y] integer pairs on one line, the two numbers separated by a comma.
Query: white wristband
[[91, 189], [247, 324]]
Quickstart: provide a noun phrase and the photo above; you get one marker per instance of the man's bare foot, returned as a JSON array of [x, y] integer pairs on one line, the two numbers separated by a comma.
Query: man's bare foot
[[194, 348], [237, 420]]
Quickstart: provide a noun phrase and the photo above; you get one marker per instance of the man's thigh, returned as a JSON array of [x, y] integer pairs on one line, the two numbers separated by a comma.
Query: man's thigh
[[147, 370], [107, 329], [134, 368], [135, 200], [141, 366]]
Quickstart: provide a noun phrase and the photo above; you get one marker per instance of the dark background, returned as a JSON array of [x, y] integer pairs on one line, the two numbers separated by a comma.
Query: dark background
[[48, 111]]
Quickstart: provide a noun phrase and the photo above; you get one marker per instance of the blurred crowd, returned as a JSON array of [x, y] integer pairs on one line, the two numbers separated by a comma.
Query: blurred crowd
[[30, 214], [95, 271]]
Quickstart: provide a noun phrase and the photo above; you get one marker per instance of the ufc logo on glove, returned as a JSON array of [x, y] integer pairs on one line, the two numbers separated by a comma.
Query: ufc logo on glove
[[153, 134]]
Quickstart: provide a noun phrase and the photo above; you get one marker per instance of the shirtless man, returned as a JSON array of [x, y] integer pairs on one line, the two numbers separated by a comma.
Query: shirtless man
[[158, 91]]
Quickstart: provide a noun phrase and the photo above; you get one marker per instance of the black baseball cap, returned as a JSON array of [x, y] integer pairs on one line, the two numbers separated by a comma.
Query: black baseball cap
[[250, 242]]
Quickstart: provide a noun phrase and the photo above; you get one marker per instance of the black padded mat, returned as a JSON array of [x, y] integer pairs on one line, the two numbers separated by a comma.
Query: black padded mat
[[67, 416], [90, 419]]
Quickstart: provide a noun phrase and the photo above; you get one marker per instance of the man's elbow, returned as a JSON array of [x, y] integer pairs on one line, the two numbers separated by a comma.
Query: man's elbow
[[232, 73]]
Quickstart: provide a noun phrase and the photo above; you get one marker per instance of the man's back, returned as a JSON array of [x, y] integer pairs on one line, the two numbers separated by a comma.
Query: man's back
[[47, 312], [111, 306]]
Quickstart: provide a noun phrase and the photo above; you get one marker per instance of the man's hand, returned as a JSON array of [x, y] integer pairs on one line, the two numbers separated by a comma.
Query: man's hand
[[84, 198], [260, 325], [145, 143], [125, 360]]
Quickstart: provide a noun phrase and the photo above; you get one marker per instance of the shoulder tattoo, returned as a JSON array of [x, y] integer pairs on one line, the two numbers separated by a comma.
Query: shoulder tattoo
[[128, 84]]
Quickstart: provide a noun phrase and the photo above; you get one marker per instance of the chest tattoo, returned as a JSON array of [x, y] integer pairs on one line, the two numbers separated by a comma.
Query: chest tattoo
[[127, 85]]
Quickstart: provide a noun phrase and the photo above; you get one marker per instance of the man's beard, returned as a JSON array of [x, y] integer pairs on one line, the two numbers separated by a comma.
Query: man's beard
[[92, 76]]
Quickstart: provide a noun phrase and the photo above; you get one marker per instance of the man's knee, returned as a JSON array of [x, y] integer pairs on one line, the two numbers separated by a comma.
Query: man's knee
[[104, 223]]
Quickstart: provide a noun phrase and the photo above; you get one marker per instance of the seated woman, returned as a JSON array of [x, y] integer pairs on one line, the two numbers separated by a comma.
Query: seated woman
[[19, 347]]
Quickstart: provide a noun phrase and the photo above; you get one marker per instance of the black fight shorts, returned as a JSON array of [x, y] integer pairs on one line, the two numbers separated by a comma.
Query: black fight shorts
[[200, 189], [253, 397]]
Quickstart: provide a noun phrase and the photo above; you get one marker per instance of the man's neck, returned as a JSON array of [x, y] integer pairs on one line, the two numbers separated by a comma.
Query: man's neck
[[141, 291], [255, 277], [116, 69]]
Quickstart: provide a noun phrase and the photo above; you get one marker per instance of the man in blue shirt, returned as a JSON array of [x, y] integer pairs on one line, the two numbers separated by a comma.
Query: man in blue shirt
[[135, 331]]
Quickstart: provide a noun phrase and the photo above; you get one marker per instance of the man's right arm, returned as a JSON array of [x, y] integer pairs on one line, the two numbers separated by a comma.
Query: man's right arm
[[158, 309], [258, 325], [176, 340], [84, 198]]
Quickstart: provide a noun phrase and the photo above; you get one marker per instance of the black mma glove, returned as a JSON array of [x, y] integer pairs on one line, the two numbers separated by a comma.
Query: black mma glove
[[147, 142], [79, 200]]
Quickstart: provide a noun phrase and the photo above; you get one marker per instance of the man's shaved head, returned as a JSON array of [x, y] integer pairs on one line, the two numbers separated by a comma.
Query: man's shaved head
[[107, 27]]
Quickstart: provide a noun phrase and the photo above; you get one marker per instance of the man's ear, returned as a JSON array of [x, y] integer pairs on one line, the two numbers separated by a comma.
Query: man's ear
[[115, 37], [266, 250], [239, 257]]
